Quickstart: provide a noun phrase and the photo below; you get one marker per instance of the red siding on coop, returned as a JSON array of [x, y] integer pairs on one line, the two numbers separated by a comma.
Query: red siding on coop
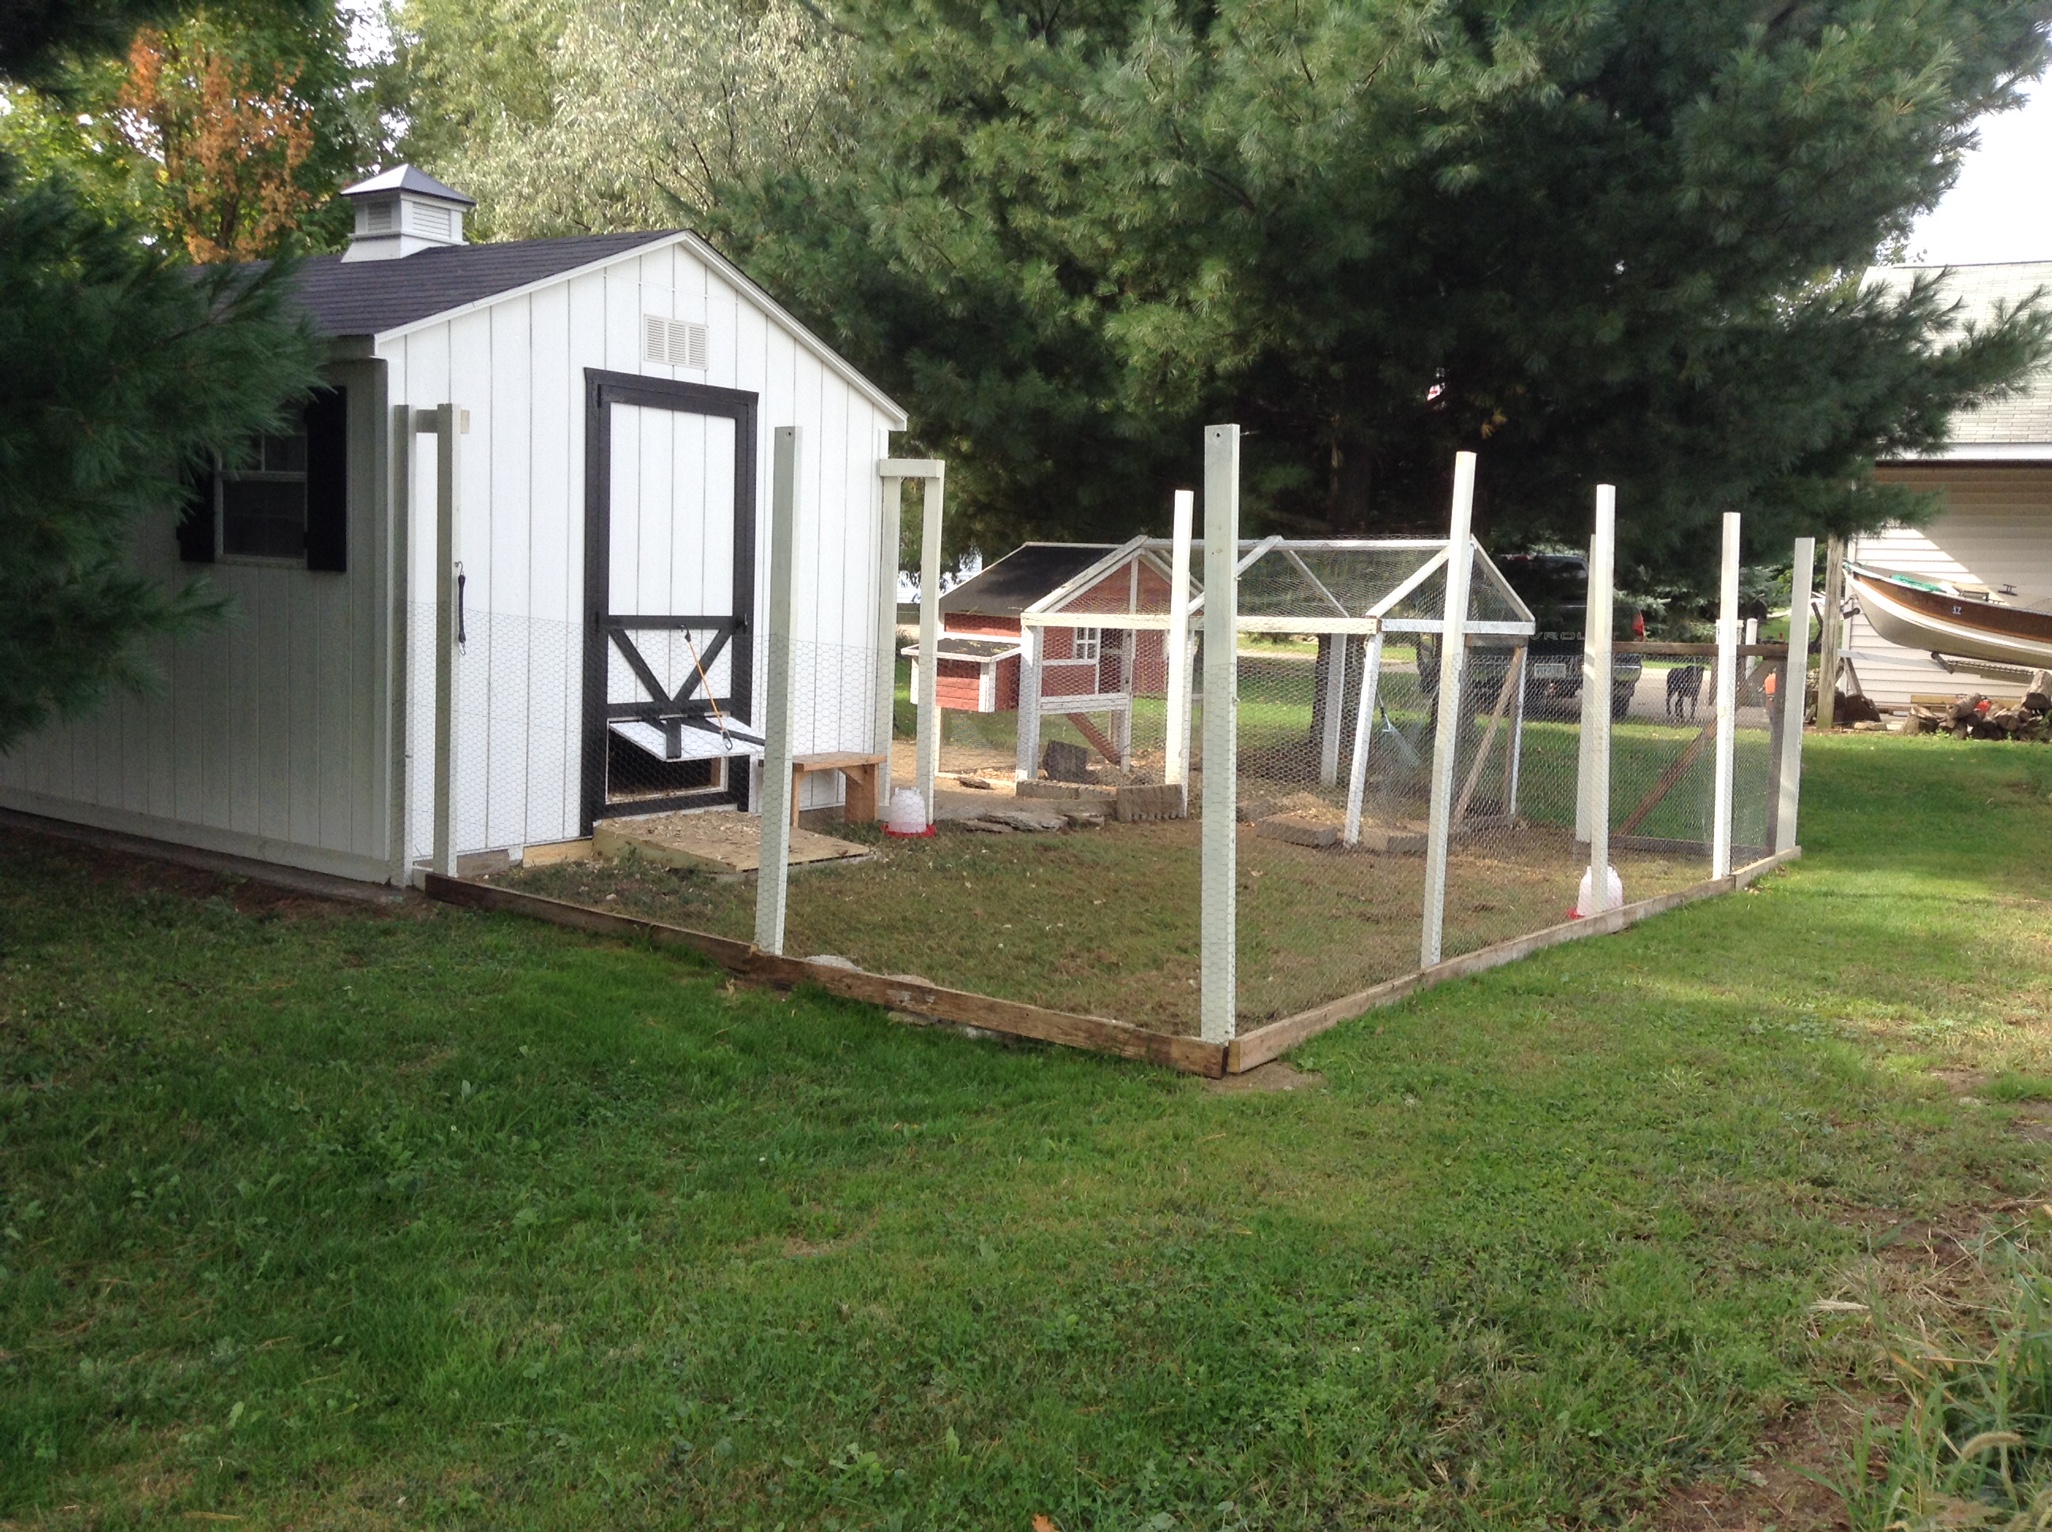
[[976, 622], [959, 684]]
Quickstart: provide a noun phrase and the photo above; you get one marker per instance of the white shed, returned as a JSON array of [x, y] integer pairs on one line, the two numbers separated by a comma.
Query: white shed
[[616, 395]]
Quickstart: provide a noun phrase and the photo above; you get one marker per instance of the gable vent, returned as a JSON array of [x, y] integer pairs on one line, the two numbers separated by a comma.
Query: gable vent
[[673, 342]]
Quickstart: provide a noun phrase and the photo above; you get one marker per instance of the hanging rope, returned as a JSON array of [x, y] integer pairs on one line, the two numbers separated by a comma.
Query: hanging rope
[[726, 740]]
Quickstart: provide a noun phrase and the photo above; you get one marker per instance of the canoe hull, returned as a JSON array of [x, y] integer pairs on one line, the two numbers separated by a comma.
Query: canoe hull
[[1954, 625]]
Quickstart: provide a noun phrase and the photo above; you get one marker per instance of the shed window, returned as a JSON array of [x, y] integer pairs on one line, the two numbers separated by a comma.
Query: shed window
[[1085, 644], [285, 500], [263, 504]]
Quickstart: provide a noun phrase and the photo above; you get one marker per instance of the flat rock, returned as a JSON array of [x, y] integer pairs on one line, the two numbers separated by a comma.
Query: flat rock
[[1083, 819], [1296, 830], [1159, 802], [976, 782], [984, 826], [1024, 819]]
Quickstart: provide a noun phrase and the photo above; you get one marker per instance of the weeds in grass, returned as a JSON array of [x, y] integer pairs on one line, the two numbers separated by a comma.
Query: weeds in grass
[[1973, 1448]]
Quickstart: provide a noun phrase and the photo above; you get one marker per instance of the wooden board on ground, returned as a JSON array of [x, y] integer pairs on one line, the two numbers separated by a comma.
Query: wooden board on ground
[[713, 841], [894, 992], [1252, 1049]]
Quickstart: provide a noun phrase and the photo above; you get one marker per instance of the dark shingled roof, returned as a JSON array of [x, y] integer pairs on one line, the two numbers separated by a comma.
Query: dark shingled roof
[[1022, 577], [370, 297]]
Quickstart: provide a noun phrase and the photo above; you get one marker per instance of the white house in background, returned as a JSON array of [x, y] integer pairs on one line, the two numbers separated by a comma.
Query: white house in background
[[620, 393], [1995, 476]]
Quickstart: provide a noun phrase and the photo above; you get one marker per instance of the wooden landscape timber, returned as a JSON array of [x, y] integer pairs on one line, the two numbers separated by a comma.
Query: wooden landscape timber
[[915, 996], [1012, 1018]]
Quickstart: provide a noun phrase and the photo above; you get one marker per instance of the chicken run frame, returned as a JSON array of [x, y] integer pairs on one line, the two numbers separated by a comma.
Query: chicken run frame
[[1358, 601]]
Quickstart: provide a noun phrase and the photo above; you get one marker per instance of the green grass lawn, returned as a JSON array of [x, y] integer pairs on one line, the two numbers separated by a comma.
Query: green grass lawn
[[328, 1218]]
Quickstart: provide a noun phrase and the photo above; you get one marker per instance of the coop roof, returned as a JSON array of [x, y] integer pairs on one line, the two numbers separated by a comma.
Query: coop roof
[[1022, 577], [1309, 586], [371, 297], [365, 299], [2018, 428], [978, 651]]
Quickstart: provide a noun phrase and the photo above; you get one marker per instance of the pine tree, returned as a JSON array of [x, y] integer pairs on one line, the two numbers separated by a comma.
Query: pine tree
[[1592, 241], [124, 369]]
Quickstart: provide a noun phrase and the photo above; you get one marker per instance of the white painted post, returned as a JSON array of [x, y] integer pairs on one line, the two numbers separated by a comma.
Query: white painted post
[[1789, 770], [1596, 667], [773, 872], [1727, 700], [929, 640], [1364, 736], [446, 424], [1453, 665], [1335, 704], [399, 652], [1219, 985], [1026, 766], [887, 629], [1517, 739], [1175, 769], [1831, 637]]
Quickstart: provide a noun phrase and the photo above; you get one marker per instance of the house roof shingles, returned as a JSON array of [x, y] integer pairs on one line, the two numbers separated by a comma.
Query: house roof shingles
[[2025, 417], [350, 298]]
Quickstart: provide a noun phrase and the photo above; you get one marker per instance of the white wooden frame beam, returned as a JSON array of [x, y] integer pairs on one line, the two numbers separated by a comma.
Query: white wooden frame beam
[[1218, 987], [773, 872], [1596, 668], [446, 422], [1453, 665], [1727, 700], [1175, 770], [1789, 769], [932, 474]]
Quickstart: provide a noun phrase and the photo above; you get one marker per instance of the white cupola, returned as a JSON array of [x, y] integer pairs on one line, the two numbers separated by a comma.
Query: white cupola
[[403, 210]]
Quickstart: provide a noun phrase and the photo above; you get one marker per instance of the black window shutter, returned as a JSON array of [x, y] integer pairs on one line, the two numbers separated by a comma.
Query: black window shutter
[[196, 521], [327, 480]]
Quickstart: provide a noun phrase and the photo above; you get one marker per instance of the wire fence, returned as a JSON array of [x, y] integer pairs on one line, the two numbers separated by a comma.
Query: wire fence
[[1070, 876]]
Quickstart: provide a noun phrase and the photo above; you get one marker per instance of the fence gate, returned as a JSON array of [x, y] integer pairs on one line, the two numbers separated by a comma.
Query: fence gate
[[669, 582]]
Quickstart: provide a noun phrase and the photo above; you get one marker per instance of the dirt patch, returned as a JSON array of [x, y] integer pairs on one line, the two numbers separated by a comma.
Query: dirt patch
[[1777, 1488], [1276, 1076], [140, 874]]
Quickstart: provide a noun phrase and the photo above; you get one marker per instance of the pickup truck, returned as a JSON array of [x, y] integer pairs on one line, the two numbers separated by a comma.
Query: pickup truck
[[1556, 587]]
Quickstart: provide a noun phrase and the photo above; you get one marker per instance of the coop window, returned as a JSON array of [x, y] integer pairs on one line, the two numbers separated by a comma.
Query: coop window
[[263, 503], [285, 499], [1085, 644], [673, 342]]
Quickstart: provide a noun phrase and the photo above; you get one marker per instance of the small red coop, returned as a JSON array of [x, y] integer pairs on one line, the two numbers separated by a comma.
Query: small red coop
[[985, 656]]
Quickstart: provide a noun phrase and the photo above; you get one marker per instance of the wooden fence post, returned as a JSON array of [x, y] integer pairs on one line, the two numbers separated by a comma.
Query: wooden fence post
[[1596, 668], [1788, 775], [446, 421], [1175, 769], [929, 641], [1832, 633], [1453, 667], [772, 875], [1727, 700], [887, 631], [1219, 985]]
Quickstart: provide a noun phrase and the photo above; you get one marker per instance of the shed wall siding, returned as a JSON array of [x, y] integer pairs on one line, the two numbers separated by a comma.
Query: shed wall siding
[[268, 736], [519, 367], [1996, 530]]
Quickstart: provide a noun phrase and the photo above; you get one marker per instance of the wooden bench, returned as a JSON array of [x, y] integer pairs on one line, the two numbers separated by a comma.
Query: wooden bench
[[860, 772]]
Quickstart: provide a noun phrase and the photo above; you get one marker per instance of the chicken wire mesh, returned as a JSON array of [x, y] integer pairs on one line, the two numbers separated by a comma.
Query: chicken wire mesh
[[1042, 889]]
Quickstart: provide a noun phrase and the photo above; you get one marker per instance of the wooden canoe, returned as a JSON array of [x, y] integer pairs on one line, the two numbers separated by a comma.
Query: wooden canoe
[[1920, 615]]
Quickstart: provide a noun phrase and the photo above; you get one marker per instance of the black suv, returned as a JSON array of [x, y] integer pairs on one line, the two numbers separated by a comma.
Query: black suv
[[1556, 587]]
